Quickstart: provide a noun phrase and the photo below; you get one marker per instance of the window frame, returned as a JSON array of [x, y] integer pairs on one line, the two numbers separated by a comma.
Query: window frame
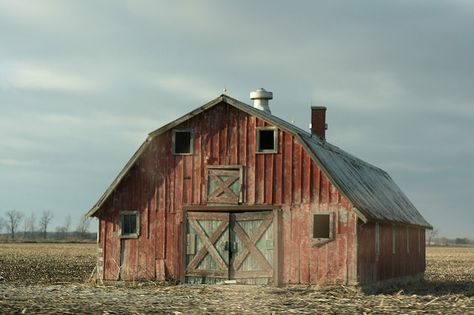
[[191, 141], [275, 140], [332, 228], [137, 216]]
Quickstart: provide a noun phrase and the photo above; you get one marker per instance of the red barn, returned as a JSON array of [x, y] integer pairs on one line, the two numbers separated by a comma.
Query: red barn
[[230, 191]]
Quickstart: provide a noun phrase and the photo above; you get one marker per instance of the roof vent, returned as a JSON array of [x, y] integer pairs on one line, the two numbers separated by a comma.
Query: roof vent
[[260, 99]]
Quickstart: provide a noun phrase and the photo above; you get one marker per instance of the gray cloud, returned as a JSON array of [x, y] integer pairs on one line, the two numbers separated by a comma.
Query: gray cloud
[[81, 84]]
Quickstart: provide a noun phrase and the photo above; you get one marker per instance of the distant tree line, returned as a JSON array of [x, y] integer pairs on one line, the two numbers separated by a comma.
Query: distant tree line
[[15, 225], [433, 238]]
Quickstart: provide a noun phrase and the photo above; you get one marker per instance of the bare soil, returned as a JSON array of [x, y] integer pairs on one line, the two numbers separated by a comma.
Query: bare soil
[[52, 279]]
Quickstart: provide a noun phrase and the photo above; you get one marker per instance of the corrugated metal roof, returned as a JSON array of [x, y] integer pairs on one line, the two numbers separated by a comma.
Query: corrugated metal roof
[[371, 190]]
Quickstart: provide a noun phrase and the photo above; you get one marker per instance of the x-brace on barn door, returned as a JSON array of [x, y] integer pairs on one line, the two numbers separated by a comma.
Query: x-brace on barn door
[[223, 245]]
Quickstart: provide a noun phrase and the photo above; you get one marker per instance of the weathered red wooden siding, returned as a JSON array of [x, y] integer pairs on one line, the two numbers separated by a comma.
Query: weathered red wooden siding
[[387, 265], [160, 184]]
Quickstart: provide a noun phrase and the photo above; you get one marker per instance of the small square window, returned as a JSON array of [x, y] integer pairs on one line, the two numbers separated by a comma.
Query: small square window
[[267, 140], [129, 225], [182, 142], [322, 228]]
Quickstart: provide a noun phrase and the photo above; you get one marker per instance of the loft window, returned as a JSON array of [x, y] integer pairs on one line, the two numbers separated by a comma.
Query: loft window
[[267, 139], [182, 141], [322, 226], [129, 225]]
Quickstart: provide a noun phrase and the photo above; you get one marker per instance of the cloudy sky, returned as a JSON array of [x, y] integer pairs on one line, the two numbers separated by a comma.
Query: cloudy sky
[[83, 82]]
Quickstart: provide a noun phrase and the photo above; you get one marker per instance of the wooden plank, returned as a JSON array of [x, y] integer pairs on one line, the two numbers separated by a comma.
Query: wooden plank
[[197, 164], [206, 156], [286, 245], [208, 216], [243, 158], [223, 125], [307, 172], [278, 172], [233, 136], [304, 246], [215, 138], [253, 274], [251, 216], [276, 248], [288, 169], [206, 273], [297, 178], [250, 175], [233, 208], [294, 249], [268, 182], [260, 171]]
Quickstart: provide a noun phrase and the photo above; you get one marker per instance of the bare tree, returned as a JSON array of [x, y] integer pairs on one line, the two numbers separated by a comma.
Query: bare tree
[[44, 221], [64, 230], [2, 224], [13, 219], [29, 225], [83, 226], [432, 234], [67, 224]]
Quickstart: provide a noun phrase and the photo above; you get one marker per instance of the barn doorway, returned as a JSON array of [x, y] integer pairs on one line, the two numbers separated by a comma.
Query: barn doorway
[[230, 245]]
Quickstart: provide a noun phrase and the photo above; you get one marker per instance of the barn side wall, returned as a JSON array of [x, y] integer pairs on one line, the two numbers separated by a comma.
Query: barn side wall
[[406, 258], [160, 184]]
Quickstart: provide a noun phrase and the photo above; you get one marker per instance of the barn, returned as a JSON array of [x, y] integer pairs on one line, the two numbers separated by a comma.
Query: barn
[[231, 192]]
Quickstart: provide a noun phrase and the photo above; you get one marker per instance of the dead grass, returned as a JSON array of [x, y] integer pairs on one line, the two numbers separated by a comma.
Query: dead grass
[[31, 273]]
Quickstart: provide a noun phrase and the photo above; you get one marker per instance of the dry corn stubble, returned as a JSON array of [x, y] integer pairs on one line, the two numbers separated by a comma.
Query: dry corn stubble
[[31, 273]]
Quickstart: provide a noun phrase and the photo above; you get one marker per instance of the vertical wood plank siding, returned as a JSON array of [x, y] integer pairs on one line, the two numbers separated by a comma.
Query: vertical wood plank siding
[[160, 184], [389, 265]]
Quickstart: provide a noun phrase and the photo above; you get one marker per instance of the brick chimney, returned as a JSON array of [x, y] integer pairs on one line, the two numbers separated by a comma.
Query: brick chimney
[[318, 121]]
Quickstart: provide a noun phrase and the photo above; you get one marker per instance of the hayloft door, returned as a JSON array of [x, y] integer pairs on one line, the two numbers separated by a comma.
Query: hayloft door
[[223, 245]]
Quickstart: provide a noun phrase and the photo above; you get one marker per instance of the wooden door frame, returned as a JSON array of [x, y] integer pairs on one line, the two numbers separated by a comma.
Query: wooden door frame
[[276, 210]]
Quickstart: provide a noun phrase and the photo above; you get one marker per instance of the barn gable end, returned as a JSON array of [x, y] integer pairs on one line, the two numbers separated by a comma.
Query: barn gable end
[[291, 185]]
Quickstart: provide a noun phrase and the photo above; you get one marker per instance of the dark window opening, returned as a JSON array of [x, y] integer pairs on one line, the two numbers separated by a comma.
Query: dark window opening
[[182, 142], [321, 226], [129, 223], [266, 140]]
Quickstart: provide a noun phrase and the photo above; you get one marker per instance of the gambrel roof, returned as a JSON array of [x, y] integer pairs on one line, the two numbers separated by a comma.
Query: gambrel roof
[[372, 192]]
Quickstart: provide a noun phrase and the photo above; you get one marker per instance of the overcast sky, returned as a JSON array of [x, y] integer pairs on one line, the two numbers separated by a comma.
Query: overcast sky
[[83, 82]]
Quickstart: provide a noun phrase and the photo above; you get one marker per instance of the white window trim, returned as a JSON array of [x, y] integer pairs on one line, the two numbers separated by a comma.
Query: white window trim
[[131, 235], [173, 140], [275, 140]]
